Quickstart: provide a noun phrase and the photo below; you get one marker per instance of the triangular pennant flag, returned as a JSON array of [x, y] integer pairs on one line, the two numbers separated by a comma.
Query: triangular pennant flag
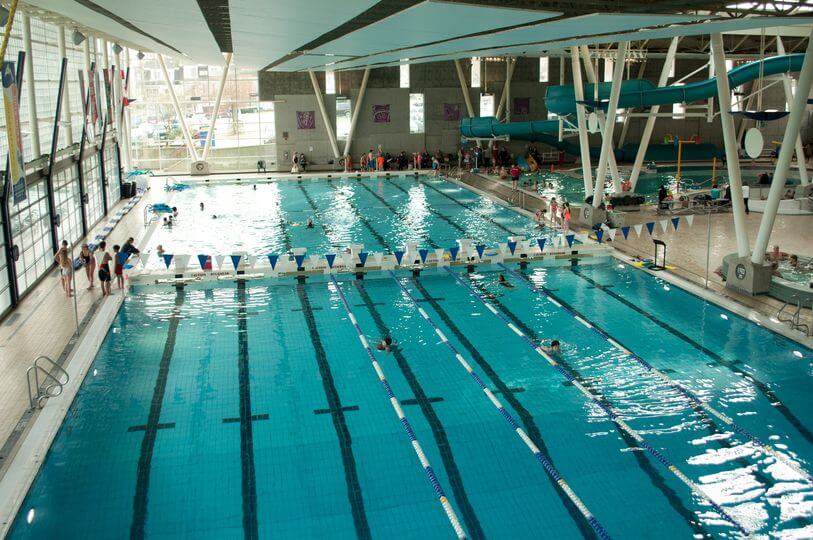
[[664, 224], [235, 260], [638, 227], [219, 260], [512, 246], [453, 251], [625, 231], [299, 260], [398, 256], [167, 259], [251, 260], [314, 260], [272, 260], [541, 243], [439, 254], [650, 227], [144, 258], [675, 222], [377, 257], [423, 253], [363, 257], [612, 234], [203, 260], [570, 238], [181, 262], [599, 235], [480, 249], [330, 257], [690, 220]]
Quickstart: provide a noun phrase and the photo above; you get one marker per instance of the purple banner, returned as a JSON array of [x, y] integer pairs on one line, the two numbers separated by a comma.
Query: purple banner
[[306, 119], [522, 106], [451, 111], [381, 113]]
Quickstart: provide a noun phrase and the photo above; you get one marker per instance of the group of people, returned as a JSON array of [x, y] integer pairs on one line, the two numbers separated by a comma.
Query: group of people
[[384, 161], [299, 162], [559, 215], [89, 260]]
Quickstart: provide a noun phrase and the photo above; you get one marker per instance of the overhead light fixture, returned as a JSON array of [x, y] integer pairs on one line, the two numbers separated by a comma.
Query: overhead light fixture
[[117, 48], [3, 16], [77, 37], [140, 55]]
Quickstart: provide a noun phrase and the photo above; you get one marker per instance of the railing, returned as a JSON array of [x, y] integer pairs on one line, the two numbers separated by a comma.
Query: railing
[[794, 321], [54, 380]]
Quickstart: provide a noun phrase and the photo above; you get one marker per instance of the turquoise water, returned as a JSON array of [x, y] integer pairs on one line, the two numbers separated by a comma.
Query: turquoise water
[[382, 214], [250, 410]]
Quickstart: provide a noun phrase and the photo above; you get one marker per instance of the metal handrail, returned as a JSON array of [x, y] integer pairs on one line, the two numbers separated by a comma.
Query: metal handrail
[[54, 381]]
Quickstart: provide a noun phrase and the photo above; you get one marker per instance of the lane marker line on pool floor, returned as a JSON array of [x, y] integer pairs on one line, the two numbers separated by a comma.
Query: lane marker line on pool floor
[[609, 412], [542, 458], [685, 392], [396, 405]]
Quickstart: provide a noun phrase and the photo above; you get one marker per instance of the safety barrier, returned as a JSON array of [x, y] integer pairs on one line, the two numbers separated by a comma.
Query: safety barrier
[[685, 392], [697, 490], [396, 405], [542, 458]]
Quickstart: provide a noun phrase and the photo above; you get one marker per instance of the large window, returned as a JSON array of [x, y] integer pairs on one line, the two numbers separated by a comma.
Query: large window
[[5, 294], [416, 114], [111, 174], [94, 209], [68, 204], [31, 231], [244, 132]]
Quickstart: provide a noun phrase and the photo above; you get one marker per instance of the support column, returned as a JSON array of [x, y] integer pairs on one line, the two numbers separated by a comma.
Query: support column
[[506, 88], [30, 90], [653, 115], [193, 154], [730, 141], [561, 134], [584, 143], [607, 135], [797, 111], [216, 110], [66, 105], [592, 79], [800, 153], [331, 135], [463, 86], [625, 125], [509, 72], [356, 110]]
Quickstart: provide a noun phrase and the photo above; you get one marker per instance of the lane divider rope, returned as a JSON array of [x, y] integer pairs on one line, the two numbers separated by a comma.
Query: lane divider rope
[[542, 458], [688, 394], [609, 412], [396, 405]]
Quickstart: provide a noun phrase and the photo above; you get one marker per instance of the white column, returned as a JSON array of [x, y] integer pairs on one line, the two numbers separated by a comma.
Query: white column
[[653, 115], [591, 78], [181, 118], [607, 135], [356, 110], [216, 109], [66, 98], [797, 111], [506, 90], [584, 143], [730, 141], [561, 134], [625, 125], [30, 88], [463, 86], [331, 135], [800, 153], [509, 72]]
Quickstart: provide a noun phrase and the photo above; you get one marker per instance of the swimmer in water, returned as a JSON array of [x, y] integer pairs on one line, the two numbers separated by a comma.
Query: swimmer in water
[[504, 282], [201, 207], [214, 216], [309, 224], [554, 347], [385, 344]]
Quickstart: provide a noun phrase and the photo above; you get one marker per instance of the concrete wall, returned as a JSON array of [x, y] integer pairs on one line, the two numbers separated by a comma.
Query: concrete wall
[[439, 84]]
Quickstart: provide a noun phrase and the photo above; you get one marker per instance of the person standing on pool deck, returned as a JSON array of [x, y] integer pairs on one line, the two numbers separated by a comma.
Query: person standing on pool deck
[[746, 191], [63, 259], [104, 269], [515, 172], [90, 264], [565, 217], [118, 266], [554, 210]]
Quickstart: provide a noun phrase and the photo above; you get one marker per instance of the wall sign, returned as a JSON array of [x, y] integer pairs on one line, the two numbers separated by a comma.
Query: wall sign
[[306, 119], [381, 114]]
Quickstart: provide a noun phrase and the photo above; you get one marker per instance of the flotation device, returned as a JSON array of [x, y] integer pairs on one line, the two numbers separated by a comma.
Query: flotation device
[[532, 164]]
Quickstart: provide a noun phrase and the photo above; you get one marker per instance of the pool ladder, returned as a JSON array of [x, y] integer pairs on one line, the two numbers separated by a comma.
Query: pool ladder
[[794, 320], [54, 379]]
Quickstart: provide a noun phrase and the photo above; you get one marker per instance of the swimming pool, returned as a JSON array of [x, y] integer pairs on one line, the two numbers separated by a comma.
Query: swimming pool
[[253, 409]]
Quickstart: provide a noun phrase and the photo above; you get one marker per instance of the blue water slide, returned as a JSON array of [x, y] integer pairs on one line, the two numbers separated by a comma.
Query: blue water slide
[[561, 100]]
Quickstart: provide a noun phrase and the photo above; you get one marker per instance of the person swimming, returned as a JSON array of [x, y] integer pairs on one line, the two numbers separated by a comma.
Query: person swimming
[[309, 224], [386, 344], [554, 347], [504, 282]]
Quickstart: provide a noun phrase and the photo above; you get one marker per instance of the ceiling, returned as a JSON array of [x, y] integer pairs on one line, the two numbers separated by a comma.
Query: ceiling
[[299, 35]]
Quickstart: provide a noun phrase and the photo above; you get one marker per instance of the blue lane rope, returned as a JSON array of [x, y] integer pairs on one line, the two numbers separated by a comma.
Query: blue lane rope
[[542, 458], [688, 394], [396, 405], [607, 410]]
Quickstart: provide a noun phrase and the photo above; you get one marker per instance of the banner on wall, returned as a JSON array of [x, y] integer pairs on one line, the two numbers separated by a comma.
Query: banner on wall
[[381, 114], [451, 111], [11, 105], [522, 106], [306, 119], [94, 104]]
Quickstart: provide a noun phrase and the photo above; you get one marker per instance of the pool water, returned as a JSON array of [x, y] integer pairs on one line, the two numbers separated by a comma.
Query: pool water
[[802, 273], [251, 410], [380, 213]]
